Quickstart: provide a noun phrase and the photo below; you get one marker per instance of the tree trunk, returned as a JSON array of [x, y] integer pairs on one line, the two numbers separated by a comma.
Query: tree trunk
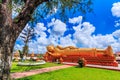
[[25, 50], [9, 31], [5, 61], [7, 39]]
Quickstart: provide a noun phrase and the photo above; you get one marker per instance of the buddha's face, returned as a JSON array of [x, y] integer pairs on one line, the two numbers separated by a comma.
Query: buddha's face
[[50, 48]]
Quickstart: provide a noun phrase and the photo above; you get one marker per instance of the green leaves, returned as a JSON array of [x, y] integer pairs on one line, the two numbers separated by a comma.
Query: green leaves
[[18, 1], [63, 8], [57, 6]]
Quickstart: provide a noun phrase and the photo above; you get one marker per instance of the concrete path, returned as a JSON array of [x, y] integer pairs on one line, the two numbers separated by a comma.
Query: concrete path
[[97, 66], [105, 67], [37, 71]]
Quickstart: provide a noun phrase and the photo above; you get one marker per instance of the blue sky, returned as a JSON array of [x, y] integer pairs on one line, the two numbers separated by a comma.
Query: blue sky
[[100, 29], [102, 17]]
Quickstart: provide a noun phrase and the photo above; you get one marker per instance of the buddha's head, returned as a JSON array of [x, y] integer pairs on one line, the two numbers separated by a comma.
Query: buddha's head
[[50, 48]]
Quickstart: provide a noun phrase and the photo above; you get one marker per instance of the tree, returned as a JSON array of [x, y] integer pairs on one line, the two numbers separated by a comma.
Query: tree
[[27, 34], [11, 28], [21, 54]]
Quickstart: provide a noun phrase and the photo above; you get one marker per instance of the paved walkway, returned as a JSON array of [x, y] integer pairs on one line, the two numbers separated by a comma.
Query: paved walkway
[[105, 67], [97, 66], [37, 71]]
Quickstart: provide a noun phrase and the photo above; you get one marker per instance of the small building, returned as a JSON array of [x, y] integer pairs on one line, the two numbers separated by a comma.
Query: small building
[[16, 56]]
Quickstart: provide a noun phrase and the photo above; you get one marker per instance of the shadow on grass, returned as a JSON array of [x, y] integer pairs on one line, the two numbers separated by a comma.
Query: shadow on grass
[[79, 66], [16, 68], [25, 68], [26, 78]]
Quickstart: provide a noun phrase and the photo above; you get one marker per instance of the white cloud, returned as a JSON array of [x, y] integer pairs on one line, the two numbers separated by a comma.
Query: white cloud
[[116, 46], [117, 23], [75, 20], [33, 46], [42, 49], [84, 28], [55, 9], [82, 37], [53, 39], [40, 30], [116, 12], [83, 33], [104, 40], [85, 38], [116, 34], [67, 41], [37, 46], [42, 34], [49, 31], [58, 27], [116, 9], [18, 47], [43, 41], [98, 41], [40, 27], [88, 28]]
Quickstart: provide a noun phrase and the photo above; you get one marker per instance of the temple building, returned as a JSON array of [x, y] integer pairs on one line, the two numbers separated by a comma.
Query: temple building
[[72, 54]]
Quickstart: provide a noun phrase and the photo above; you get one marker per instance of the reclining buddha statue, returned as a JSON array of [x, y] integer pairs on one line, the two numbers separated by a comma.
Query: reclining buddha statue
[[72, 54]]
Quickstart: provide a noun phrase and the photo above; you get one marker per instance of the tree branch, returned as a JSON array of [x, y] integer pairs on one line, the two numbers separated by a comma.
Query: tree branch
[[26, 14]]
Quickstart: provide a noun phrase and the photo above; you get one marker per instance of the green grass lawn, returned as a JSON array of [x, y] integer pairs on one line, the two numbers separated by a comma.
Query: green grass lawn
[[74, 73], [16, 68]]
